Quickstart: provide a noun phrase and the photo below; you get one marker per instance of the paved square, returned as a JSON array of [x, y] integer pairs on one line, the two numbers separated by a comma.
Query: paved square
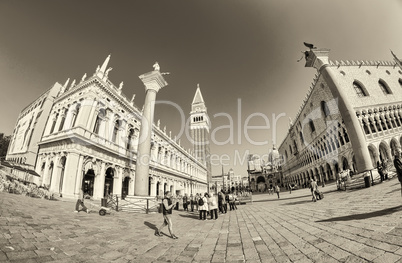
[[353, 226]]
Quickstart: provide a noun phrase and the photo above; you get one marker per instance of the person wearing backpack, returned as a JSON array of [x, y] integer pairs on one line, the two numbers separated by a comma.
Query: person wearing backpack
[[203, 206], [167, 205]]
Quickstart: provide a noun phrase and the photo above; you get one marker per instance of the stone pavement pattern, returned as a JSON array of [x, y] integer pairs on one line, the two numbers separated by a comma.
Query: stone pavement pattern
[[354, 226]]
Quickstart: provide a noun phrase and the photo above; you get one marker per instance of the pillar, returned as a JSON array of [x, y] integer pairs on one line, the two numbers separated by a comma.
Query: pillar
[[99, 183], [153, 82], [318, 58], [79, 175], [131, 184]]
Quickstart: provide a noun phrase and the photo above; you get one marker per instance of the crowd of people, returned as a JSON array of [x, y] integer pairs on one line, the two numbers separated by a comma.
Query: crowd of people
[[207, 205], [16, 186]]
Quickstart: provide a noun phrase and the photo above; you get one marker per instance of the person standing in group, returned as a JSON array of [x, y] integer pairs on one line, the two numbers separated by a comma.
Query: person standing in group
[[192, 202], [290, 188], [80, 202], [222, 202], [196, 198], [203, 206], [167, 206], [398, 166], [185, 204], [277, 190], [213, 206], [234, 200]]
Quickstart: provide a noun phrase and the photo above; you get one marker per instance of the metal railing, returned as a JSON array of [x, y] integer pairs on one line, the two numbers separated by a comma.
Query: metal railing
[[142, 205]]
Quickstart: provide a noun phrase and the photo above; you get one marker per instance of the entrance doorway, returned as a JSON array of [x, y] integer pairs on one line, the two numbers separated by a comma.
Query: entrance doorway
[[108, 190], [124, 189], [89, 179]]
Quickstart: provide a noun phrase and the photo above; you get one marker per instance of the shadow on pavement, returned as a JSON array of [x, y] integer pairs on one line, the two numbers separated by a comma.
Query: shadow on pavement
[[383, 212], [150, 225], [300, 202], [395, 190], [194, 216], [286, 198]]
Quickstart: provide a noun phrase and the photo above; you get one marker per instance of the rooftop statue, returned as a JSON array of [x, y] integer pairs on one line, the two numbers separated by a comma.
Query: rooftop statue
[[156, 66]]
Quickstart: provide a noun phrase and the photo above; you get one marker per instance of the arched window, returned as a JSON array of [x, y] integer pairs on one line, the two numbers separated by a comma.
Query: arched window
[[325, 109], [75, 114], [384, 87], [98, 120], [63, 118], [54, 123], [301, 137], [115, 130], [360, 91], [129, 138], [311, 124]]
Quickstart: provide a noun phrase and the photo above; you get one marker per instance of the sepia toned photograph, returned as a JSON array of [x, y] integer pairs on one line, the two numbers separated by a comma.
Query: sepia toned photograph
[[200, 131]]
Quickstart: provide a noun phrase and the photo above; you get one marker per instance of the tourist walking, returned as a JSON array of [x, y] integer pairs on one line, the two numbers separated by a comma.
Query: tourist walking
[[167, 206], [277, 190], [213, 206], [398, 166]]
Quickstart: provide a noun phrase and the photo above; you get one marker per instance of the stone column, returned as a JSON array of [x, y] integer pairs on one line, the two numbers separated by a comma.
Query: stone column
[[79, 176], [92, 116], [118, 181], [46, 170], [318, 58], [56, 176], [99, 183], [153, 82], [132, 183]]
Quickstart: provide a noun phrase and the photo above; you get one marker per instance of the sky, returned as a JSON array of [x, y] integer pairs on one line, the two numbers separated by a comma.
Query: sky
[[242, 53]]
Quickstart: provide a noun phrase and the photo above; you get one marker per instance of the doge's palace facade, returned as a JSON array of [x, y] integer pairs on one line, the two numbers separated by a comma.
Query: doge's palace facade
[[86, 133], [351, 118]]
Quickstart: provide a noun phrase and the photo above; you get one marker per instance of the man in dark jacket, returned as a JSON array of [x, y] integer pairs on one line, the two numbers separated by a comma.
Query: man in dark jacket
[[167, 206], [398, 166]]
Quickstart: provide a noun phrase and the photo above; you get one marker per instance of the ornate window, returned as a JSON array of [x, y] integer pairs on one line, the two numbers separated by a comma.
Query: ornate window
[[75, 114], [311, 124], [360, 91], [129, 138], [325, 109], [54, 123], [384, 87], [115, 130], [301, 137]]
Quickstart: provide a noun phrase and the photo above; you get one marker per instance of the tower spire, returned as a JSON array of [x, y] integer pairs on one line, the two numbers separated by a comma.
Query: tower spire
[[104, 65], [198, 96]]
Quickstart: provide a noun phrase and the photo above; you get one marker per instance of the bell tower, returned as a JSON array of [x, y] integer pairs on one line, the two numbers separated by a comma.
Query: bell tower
[[199, 128]]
